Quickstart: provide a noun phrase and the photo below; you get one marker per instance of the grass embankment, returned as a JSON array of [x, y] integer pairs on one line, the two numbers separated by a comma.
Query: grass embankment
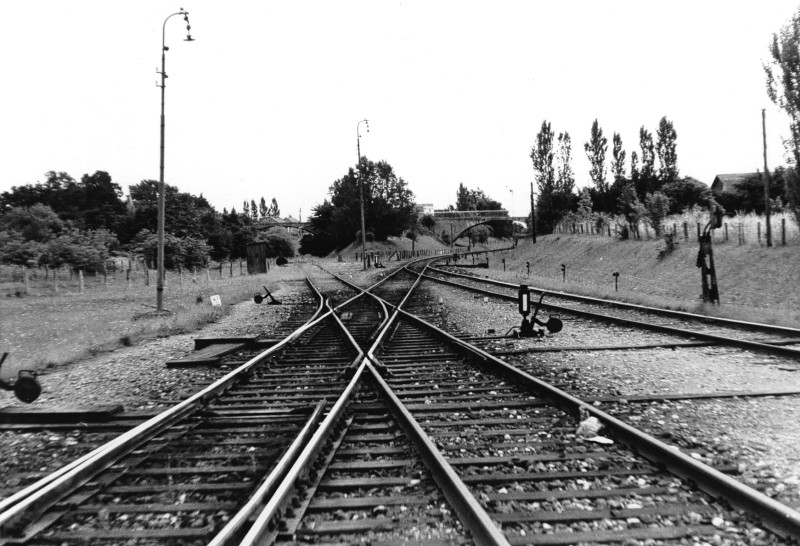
[[46, 329], [755, 283]]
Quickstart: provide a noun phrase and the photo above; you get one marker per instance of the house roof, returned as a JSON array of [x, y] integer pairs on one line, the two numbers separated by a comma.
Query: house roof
[[727, 182]]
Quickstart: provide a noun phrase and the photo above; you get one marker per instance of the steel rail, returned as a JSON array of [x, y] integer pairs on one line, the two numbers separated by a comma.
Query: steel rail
[[260, 526], [777, 517], [636, 307], [35, 498], [470, 512], [271, 482], [723, 340]]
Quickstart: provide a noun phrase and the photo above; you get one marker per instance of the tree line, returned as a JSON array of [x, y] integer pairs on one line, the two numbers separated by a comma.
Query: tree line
[[635, 190], [389, 209], [83, 222]]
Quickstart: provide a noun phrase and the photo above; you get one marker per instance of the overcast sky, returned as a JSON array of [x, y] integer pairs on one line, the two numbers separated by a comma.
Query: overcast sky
[[266, 101]]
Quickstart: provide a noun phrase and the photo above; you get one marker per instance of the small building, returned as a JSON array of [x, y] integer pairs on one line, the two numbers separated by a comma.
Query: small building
[[425, 208], [256, 258], [729, 182]]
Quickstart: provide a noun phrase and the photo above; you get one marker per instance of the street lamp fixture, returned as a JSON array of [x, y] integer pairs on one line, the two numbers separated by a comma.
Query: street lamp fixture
[[361, 192], [164, 49]]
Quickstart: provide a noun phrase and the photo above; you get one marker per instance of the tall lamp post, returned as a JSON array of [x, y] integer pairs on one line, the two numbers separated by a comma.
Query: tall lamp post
[[361, 192], [533, 216], [164, 49]]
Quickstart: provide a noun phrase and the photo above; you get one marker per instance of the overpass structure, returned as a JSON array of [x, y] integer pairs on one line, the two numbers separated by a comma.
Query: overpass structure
[[458, 222], [291, 225]]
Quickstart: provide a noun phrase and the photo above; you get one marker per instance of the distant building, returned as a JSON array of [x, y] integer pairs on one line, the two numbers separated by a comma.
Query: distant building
[[425, 208], [729, 182]]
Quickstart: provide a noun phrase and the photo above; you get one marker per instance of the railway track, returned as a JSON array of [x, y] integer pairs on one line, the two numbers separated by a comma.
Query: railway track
[[675, 325], [370, 424]]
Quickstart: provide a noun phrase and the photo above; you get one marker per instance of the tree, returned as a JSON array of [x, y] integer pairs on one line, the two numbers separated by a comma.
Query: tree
[[618, 161], [262, 208], [585, 206], [463, 198], [185, 215], [36, 223], [388, 208], [596, 152], [274, 211], [279, 242], [783, 75], [631, 208], [246, 208], [178, 251], [688, 192], [253, 210], [15, 249], [667, 151], [565, 177], [543, 158], [86, 250], [657, 206], [647, 182]]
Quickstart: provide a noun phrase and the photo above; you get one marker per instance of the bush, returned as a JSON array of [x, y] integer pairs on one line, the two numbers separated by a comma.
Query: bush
[[279, 242], [186, 251], [657, 205], [670, 244], [428, 221]]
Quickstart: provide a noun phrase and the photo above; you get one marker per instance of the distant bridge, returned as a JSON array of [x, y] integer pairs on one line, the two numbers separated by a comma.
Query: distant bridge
[[292, 226], [461, 221], [458, 222]]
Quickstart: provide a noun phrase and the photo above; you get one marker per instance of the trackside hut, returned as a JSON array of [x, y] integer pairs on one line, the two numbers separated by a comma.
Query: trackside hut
[[256, 258], [728, 183]]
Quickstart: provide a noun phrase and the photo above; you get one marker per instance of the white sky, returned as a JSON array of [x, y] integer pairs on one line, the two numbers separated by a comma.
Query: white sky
[[266, 101]]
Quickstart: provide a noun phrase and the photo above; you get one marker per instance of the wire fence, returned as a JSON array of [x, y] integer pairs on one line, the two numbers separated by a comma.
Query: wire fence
[[743, 229], [20, 280]]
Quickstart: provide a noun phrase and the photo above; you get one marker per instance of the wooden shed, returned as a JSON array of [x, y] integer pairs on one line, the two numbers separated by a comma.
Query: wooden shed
[[256, 258], [729, 182]]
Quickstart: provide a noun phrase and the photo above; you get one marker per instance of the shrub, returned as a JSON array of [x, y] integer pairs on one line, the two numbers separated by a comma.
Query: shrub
[[279, 242], [670, 244]]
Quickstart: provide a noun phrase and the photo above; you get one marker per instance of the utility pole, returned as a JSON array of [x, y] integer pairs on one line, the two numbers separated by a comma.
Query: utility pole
[[161, 186], [533, 216], [361, 193], [766, 177]]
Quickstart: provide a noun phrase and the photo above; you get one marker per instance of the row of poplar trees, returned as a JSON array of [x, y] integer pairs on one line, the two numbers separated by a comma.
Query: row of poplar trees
[[555, 178]]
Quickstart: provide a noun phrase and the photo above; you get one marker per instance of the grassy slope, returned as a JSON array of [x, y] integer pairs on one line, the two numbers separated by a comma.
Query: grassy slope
[[755, 283]]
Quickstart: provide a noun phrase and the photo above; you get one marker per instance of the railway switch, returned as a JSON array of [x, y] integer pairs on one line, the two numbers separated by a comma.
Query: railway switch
[[26, 387], [527, 329], [258, 298]]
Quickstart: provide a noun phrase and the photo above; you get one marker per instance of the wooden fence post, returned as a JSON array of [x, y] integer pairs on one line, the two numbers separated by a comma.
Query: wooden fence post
[[698, 231], [726, 232], [146, 275], [208, 275], [80, 280], [783, 231], [127, 279], [220, 269], [758, 230], [55, 279], [25, 278], [231, 264]]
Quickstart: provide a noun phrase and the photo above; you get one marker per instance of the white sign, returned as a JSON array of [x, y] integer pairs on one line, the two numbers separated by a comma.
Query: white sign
[[216, 301]]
